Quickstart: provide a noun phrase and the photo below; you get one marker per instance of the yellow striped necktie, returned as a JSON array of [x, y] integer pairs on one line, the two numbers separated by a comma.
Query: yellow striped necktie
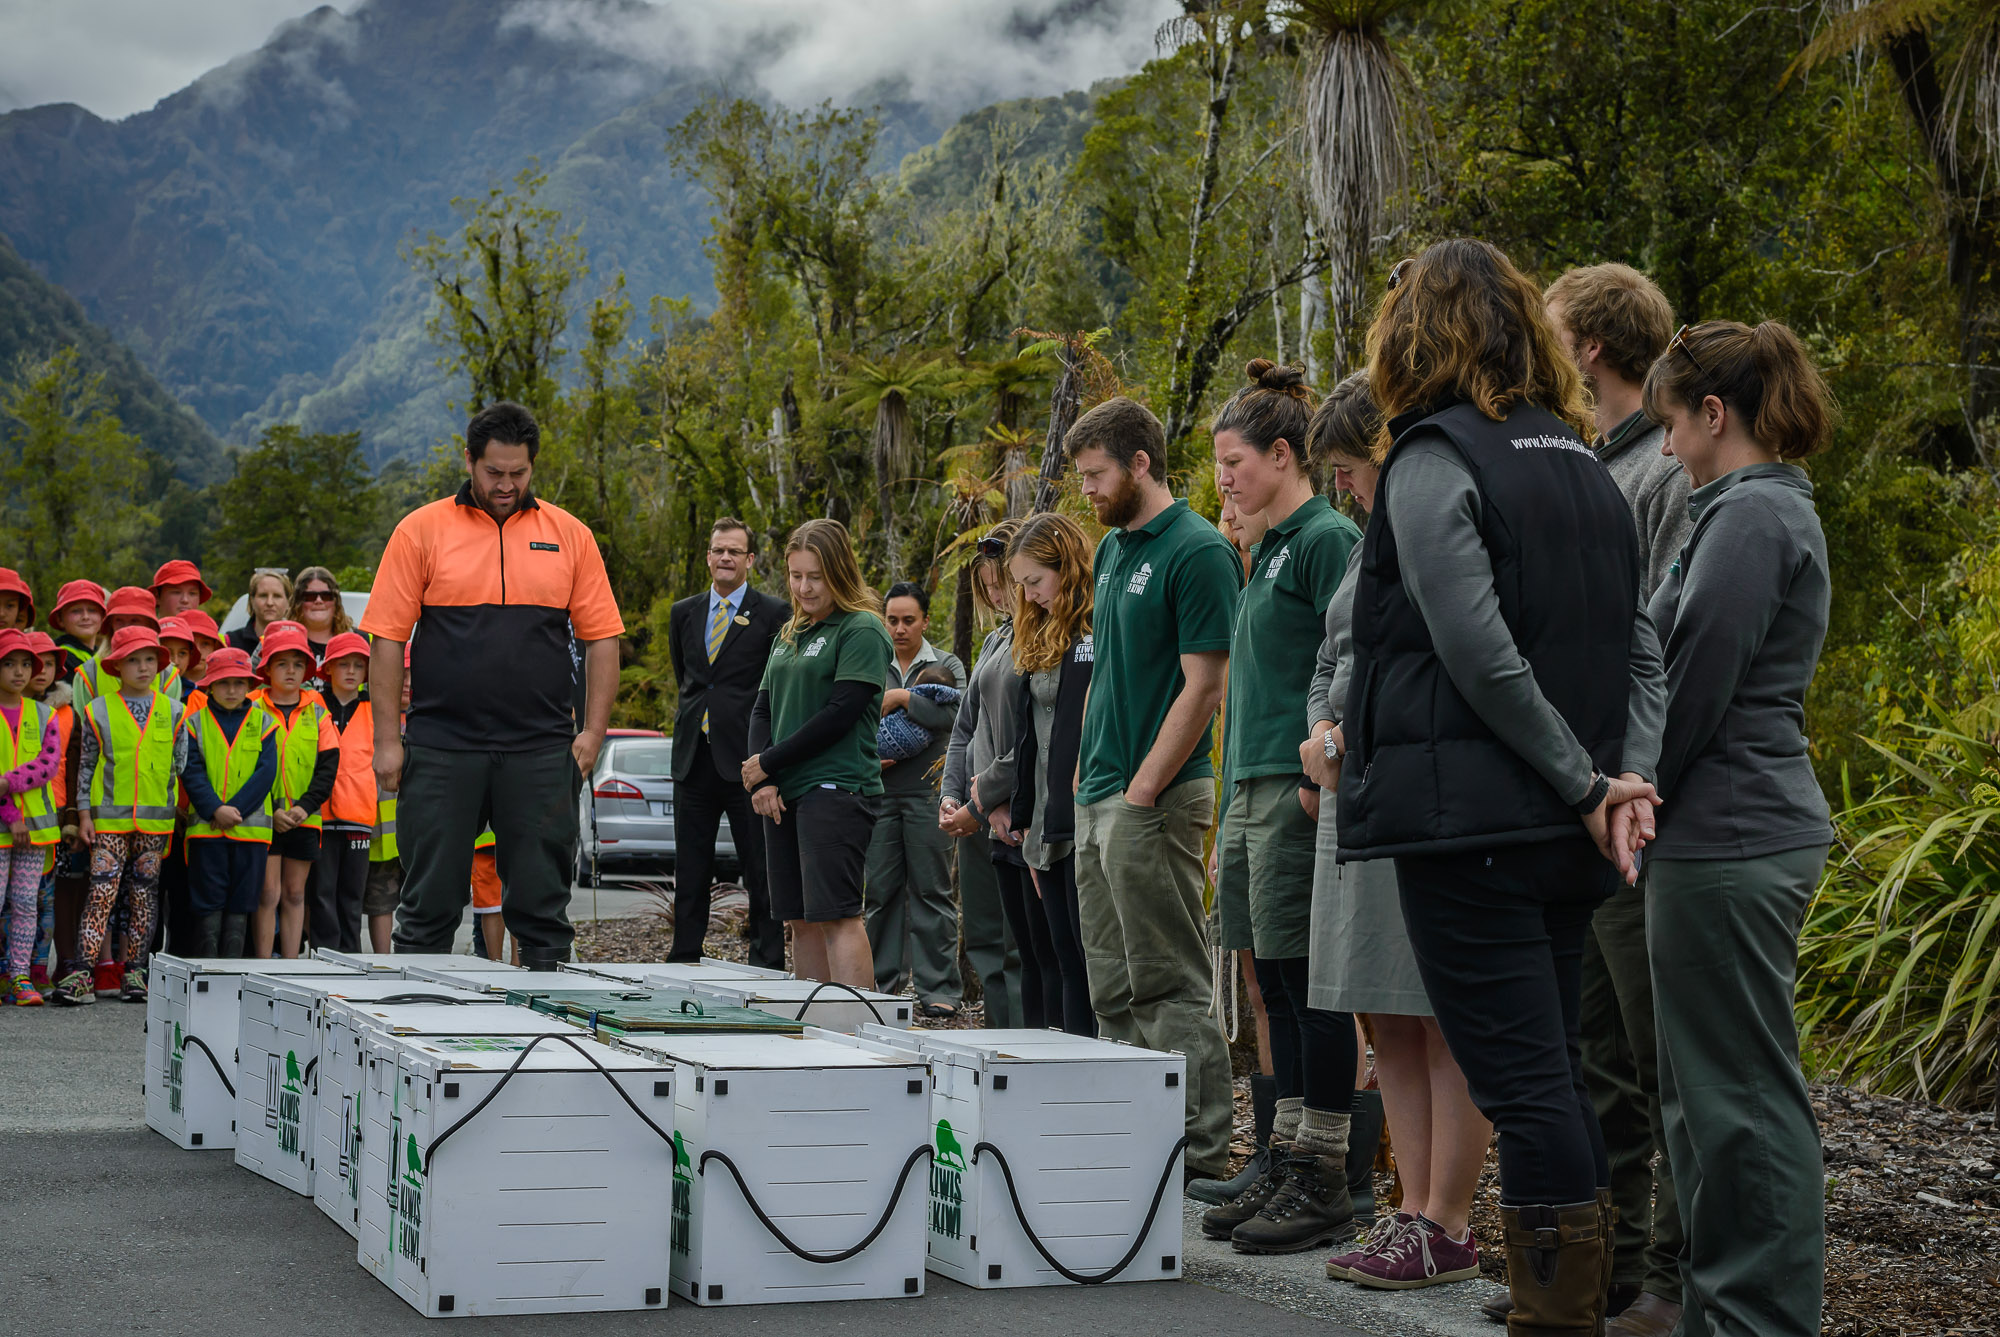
[[718, 626]]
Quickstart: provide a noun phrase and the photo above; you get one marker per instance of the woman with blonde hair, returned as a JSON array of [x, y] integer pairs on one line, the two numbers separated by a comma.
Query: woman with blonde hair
[[1050, 560], [1745, 833], [269, 599], [1503, 724], [814, 774], [978, 783]]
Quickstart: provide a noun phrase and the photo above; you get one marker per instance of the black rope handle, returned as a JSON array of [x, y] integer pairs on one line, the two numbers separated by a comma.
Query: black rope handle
[[861, 997], [312, 1066], [213, 1062], [413, 998], [529, 1048], [780, 1236], [1138, 1241]]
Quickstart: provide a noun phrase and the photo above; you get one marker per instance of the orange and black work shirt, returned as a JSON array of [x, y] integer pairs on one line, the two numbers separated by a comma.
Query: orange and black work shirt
[[493, 604]]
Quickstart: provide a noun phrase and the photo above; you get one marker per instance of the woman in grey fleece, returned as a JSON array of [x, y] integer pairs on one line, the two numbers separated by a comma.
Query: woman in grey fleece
[[1744, 829]]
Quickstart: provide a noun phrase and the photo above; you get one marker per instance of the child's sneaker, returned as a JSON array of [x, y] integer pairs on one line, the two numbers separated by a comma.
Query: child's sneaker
[[107, 979], [1340, 1267], [38, 975], [73, 989], [134, 988], [21, 992]]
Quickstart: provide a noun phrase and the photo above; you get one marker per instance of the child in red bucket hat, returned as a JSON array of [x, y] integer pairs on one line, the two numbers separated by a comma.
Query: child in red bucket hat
[[308, 748], [232, 764], [78, 619], [178, 586], [336, 909], [129, 606], [28, 758], [53, 693], [17, 601], [133, 748]]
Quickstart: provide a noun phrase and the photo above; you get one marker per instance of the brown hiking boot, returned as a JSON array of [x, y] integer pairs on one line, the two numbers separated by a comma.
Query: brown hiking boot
[[1555, 1270], [1309, 1210], [1647, 1316], [1219, 1223]]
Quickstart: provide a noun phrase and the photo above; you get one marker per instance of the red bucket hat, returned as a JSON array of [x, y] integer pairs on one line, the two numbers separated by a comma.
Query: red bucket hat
[[11, 583], [341, 646], [227, 663], [280, 637], [201, 624], [15, 642], [127, 641], [175, 628], [77, 592], [133, 601], [180, 571], [43, 644]]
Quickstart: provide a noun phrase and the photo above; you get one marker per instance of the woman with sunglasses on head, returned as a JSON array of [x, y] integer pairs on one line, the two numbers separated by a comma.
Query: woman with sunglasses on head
[[1745, 829], [1504, 710], [270, 600], [978, 779]]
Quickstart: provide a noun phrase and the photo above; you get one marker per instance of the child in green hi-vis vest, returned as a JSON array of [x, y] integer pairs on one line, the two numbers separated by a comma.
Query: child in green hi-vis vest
[[232, 765], [133, 747], [29, 753], [308, 761]]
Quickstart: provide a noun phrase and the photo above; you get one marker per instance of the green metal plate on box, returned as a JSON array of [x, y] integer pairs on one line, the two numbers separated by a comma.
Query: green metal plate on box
[[616, 1011]]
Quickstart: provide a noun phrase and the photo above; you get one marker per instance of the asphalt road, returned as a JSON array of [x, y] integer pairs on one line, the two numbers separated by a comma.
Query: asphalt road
[[115, 1229]]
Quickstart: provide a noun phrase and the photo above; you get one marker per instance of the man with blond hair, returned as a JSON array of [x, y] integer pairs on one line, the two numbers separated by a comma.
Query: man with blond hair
[[1616, 322]]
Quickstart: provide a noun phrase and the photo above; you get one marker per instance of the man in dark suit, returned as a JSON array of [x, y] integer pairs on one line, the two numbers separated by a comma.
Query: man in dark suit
[[720, 639]]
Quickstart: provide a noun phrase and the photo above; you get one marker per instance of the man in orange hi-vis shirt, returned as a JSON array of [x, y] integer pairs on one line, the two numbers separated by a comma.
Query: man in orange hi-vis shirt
[[491, 588]]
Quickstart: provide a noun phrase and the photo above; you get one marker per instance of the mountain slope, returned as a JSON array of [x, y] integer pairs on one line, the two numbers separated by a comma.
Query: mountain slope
[[37, 318]]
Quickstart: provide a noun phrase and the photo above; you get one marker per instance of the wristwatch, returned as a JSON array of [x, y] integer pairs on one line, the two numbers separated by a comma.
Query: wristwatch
[[1331, 742], [1600, 785]]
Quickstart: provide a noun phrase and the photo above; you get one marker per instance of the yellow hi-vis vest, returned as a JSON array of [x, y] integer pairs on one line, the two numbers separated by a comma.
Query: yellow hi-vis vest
[[132, 788], [228, 764], [92, 680], [298, 751], [383, 848], [19, 749]]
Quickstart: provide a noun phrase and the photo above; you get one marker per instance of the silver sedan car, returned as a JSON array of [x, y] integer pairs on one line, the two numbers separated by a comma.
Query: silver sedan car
[[626, 816]]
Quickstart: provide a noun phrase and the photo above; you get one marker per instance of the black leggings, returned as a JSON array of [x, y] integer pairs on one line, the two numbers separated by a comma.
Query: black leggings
[[1312, 1052], [1041, 982], [1058, 888], [1498, 936], [340, 878]]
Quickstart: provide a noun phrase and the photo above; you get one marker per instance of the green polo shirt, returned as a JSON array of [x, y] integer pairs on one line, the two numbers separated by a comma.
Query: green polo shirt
[[846, 647], [1294, 571], [1164, 590]]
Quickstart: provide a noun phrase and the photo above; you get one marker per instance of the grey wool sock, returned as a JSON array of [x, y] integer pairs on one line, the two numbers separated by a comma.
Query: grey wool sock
[[1285, 1126], [1321, 1133]]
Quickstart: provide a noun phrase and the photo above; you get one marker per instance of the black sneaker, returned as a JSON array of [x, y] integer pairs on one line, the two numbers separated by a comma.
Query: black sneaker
[[133, 989], [75, 990], [1309, 1211], [1219, 1223]]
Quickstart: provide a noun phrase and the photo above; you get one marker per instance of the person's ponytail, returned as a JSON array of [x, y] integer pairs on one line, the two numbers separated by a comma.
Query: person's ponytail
[[1798, 414]]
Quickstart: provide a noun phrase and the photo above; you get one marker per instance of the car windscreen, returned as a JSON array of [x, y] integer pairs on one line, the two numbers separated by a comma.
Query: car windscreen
[[652, 759]]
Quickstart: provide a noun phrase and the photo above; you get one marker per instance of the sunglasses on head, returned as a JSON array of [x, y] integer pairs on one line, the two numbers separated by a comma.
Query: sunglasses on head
[[992, 547], [1397, 274], [1679, 341]]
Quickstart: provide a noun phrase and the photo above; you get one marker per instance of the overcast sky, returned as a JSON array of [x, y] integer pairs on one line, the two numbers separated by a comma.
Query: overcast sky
[[117, 57]]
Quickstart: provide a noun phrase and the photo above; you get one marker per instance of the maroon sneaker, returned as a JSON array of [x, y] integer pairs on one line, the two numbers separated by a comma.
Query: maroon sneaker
[[1421, 1255], [1340, 1267]]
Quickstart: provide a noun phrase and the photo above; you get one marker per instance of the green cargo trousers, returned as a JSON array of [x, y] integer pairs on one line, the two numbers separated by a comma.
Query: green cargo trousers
[[1145, 945], [912, 921], [1620, 1069], [989, 947], [446, 799], [1724, 939]]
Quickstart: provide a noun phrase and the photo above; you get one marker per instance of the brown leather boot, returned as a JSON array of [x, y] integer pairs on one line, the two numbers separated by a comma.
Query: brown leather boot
[[1648, 1316], [1607, 1222], [1555, 1270]]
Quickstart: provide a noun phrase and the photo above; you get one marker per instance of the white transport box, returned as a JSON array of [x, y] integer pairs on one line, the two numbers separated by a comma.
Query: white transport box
[[828, 1139], [672, 974], [347, 1024], [544, 1190], [191, 1031], [833, 1007], [1091, 1133], [476, 975], [400, 963], [284, 1081]]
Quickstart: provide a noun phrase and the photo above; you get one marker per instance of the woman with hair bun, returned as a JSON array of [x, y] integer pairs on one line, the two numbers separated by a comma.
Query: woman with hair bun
[[1269, 831], [1745, 829], [1504, 709]]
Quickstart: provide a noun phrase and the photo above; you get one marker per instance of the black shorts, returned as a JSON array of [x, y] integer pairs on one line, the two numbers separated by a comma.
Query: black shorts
[[816, 855], [301, 842]]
